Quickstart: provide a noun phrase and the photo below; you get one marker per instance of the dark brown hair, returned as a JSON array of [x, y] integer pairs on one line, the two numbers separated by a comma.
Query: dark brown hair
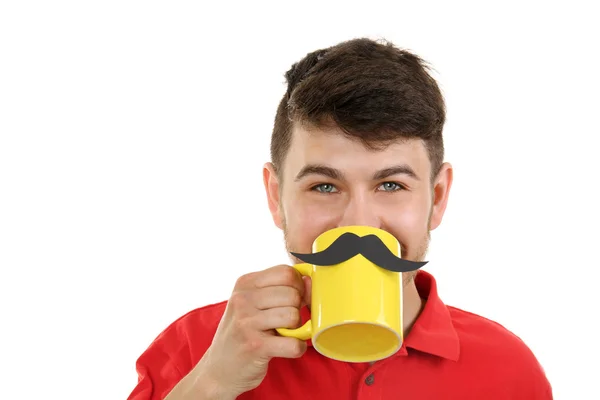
[[371, 90]]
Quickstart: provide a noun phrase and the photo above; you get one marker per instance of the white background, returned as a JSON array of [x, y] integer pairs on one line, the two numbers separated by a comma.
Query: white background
[[132, 136]]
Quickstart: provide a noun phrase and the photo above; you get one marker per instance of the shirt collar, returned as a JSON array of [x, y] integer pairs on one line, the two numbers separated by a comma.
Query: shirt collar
[[433, 331]]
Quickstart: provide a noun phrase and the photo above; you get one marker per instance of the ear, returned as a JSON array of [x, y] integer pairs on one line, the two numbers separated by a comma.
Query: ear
[[441, 192], [272, 188]]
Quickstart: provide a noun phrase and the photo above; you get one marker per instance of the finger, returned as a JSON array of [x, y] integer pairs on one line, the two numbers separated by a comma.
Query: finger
[[276, 296], [280, 317], [281, 275], [284, 347], [306, 298]]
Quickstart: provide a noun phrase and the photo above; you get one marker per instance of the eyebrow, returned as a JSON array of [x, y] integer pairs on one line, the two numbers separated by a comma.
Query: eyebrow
[[319, 169], [402, 169]]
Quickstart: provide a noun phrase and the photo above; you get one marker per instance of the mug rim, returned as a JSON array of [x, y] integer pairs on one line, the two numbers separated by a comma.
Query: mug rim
[[352, 227], [317, 334]]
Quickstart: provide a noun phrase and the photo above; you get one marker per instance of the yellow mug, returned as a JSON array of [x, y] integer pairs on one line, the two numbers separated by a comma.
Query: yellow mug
[[356, 310]]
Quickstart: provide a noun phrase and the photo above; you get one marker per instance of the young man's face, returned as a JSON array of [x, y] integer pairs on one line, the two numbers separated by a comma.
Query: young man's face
[[330, 180]]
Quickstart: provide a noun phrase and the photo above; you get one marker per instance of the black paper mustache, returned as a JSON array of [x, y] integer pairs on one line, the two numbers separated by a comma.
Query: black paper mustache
[[371, 247]]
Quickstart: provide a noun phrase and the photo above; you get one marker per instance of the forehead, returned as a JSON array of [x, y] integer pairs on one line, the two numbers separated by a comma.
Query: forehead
[[333, 148]]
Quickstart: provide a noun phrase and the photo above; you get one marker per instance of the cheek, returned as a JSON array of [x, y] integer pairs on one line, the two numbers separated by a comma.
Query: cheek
[[305, 221], [409, 223]]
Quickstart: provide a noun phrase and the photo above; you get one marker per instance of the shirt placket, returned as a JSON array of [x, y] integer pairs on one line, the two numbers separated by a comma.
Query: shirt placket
[[370, 387]]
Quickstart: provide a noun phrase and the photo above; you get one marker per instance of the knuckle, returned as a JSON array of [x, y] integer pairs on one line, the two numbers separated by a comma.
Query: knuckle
[[296, 298], [238, 301], [234, 300], [289, 275], [253, 345], [292, 316], [244, 280], [297, 348]]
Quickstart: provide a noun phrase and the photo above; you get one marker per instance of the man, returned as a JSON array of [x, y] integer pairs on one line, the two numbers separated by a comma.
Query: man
[[357, 140]]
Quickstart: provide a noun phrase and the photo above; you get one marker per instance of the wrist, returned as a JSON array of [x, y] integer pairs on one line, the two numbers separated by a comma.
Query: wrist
[[199, 384], [207, 386]]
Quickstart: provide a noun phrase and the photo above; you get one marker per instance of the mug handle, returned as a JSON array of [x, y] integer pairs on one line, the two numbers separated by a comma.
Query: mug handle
[[305, 331]]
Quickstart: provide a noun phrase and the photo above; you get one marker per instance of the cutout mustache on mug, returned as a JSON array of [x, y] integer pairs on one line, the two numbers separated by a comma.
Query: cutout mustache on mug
[[370, 246]]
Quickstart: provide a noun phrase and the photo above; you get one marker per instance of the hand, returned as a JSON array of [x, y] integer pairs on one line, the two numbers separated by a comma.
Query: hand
[[246, 339]]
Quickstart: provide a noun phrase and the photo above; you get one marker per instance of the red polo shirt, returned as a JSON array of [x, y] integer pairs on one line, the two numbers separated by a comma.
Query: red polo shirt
[[448, 354]]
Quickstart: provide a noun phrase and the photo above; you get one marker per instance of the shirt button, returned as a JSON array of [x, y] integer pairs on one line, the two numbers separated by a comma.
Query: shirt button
[[370, 379]]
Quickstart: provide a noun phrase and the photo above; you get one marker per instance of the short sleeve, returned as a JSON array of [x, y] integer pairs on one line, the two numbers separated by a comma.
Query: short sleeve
[[175, 352]]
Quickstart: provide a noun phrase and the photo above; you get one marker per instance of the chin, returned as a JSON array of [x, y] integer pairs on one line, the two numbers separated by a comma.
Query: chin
[[408, 277]]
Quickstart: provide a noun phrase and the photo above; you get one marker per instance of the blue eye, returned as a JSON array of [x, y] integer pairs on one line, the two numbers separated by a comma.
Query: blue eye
[[391, 187], [325, 188]]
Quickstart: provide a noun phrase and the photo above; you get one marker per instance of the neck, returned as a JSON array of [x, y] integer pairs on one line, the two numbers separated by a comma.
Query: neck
[[412, 306]]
